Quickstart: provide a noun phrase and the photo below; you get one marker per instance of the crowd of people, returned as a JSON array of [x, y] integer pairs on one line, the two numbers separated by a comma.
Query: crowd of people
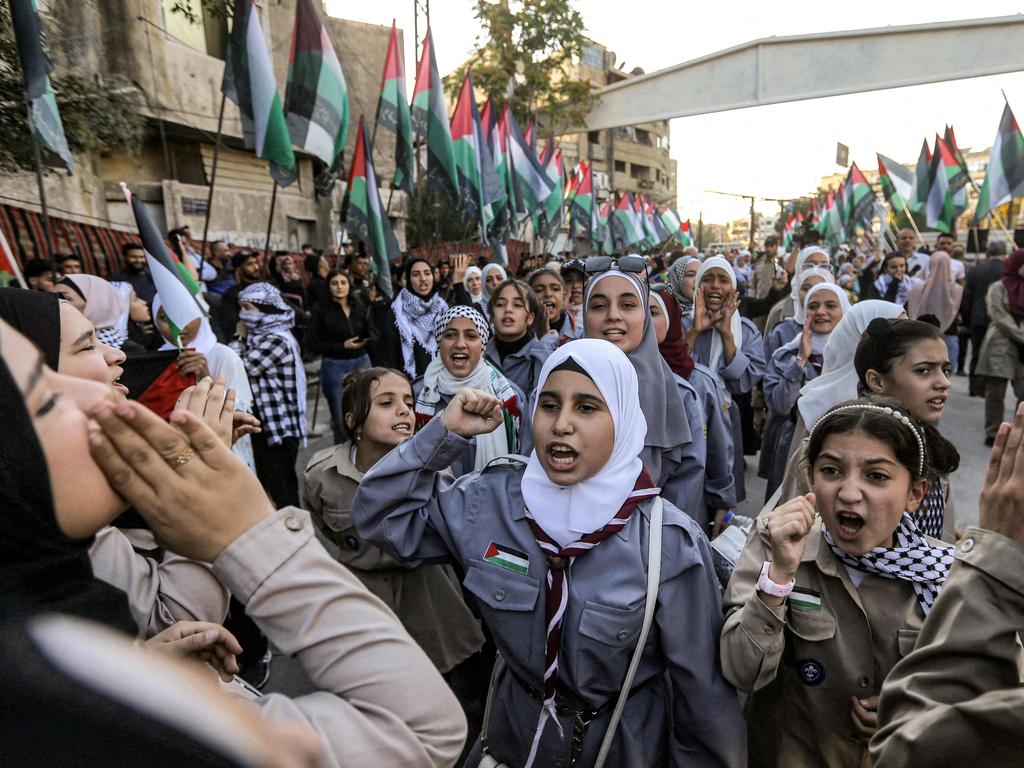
[[522, 546]]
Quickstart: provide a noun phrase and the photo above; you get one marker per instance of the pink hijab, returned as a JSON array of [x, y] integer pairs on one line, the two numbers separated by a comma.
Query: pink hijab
[[938, 295]]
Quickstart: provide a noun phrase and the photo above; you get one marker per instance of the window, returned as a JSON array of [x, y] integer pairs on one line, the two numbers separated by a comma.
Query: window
[[594, 137], [620, 166], [593, 57], [643, 137], [640, 172], [208, 34]]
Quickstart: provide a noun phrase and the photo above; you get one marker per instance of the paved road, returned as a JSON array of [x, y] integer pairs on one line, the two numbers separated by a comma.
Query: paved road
[[963, 424]]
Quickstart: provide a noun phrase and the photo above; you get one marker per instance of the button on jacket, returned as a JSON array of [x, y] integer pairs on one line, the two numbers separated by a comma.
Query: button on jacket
[[804, 661], [419, 515], [427, 600]]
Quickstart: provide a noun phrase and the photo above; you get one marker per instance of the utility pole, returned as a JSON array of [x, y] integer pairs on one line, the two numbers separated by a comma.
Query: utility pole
[[753, 214]]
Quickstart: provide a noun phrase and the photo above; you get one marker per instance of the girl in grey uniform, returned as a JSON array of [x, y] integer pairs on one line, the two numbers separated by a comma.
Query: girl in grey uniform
[[549, 286], [819, 610], [514, 347], [728, 344], [788, 329], [615, 309], [719, 488], [566, 623], [461, 335]]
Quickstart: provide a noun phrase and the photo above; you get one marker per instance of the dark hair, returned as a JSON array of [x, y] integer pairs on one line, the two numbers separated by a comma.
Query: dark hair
[[533, 305], [407, 275], [36, 268], [355, 396], [241, 257], [60, 258], [131, 247], [544, 271], [884, 341], [879, 425], [354, 300], [885, 263]]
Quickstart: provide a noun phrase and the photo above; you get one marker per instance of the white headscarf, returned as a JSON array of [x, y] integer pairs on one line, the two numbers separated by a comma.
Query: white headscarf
[[801, 260], [819, 340], [735, 324], [838, 379], [566, 513], [104, 307], [470, 271], [488, 268], [798, 283]]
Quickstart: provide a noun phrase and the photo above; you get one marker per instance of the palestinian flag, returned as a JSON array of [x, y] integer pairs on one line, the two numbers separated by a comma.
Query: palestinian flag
[[788, 231], [858, 199], [626, 228], [532, 183], [316, 97], [897, 183], [478, 182], [648, 215], [604, 229], [581, 203], [393, 114], [686, 233], [430, 123], [1004, 177], [363, 213], [504, 208], [950, 139], [487, 117], [10, 272], [922, 179], [942, 210], [831, 224], [552, 209], [43, 115], [249, 83], [178, 290]]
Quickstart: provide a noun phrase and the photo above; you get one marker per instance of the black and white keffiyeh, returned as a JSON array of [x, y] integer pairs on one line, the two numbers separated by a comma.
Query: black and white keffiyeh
[[458, 310], [414, 318], [913, 559], [928, 516]]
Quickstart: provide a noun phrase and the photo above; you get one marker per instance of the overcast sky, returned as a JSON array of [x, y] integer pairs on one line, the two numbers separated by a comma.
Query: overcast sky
[[774, 151]]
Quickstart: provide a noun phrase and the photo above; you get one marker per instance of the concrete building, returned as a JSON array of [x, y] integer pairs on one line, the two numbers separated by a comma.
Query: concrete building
[[177, 67]]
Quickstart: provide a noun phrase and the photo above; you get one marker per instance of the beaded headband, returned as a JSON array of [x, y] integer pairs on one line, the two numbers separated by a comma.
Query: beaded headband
[[888, 412]]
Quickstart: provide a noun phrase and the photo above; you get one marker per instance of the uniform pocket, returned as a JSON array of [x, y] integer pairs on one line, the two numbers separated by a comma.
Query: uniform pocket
[[906, 639], [507, 600], [814, 626], [608, 634]]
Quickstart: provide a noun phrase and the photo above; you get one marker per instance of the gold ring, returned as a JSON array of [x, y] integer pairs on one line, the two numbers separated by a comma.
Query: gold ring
[[182, 458]]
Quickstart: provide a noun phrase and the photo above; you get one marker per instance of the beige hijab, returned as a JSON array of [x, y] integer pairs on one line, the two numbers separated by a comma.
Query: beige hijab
[[938, 295]]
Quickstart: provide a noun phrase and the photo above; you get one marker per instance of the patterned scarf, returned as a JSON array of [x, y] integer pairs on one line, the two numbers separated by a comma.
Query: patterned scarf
[[112, 337], [928, 516], [560, 559], [414, 318], [913, 559]]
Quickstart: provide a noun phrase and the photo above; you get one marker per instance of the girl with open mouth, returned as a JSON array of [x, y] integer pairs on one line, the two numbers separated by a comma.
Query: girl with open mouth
[[616, 310], [549, 285], [462, 332], [832, 589], [515, 345], [555, 549]]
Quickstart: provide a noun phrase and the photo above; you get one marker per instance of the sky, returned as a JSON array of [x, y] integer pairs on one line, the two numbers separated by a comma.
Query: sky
[[777, 151]]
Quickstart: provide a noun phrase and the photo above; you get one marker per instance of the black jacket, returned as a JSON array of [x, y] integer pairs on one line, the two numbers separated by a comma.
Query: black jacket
[[979, 278]]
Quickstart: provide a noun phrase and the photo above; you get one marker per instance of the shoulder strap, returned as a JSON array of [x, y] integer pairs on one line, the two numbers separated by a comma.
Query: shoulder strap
[[653, 582]]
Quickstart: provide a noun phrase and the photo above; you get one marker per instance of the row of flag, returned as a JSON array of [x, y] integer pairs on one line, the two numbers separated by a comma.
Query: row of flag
[[933, 193]]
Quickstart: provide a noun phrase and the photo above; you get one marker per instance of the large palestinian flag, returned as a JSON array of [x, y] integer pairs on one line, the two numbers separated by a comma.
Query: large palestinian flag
[[430, 122], [249, 83], [479, 187], [626, 227], [532, 183], [1004, 177], [316, 97], [858, 199], [393, 115], [897, 183], [946, 179], [363, 214]]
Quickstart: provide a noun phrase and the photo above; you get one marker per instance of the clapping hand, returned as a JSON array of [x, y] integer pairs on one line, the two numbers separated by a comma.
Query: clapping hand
[[805, 344]]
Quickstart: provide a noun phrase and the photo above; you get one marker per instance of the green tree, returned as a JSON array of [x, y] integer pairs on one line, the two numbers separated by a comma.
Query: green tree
[[432, 217], [524, 57], [97, 117]]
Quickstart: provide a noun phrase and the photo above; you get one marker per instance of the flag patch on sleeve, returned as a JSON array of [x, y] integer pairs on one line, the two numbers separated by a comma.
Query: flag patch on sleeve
[[507, 557], [808, 599]]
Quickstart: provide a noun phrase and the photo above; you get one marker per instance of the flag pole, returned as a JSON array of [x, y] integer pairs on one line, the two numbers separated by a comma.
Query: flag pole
[[45, 213], [213, 181], [270, 219]]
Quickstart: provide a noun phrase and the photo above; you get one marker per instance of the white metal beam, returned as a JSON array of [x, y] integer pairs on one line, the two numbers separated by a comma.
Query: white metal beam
[[780, 69]]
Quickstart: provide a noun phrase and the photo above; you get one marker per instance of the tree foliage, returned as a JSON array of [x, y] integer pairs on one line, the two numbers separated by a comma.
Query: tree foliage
[[97, 117], [433, 217], [524, 57]]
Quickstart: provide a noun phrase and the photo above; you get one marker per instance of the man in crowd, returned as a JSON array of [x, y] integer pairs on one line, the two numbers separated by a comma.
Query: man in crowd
[[359, 274], [905, 243], [764, 269], [136, 272], [972, 305], [68, 263], [248, 269], [38, 275], [220, 260]]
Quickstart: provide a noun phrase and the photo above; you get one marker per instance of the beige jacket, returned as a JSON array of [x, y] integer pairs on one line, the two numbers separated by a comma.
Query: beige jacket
[[162, 587], [380, 701], [956, 700], [428, 600], [803, 665], [999, 358]]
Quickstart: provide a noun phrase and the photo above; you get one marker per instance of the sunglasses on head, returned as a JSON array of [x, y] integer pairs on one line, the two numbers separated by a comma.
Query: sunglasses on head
[[635, 264]]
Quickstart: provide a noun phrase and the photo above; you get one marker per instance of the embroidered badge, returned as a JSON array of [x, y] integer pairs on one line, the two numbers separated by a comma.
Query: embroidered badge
[[811, 672], [808, 599], [507, 557], [352, 542]]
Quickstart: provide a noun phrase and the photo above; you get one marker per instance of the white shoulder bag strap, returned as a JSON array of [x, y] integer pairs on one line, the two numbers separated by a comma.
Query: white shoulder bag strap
[[653, 582]]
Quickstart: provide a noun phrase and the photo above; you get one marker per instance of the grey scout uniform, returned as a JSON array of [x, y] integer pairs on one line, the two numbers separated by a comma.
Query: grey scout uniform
[[679, 470], [719, 485], [782, 383], [420, 516], [522, 368], [467, 460]]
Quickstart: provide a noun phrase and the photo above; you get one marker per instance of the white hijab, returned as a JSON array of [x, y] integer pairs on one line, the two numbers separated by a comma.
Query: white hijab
[[735, 324], [567, 512], [483, 281], [819, 340], [838, 380], [800, 311], [470, 271]]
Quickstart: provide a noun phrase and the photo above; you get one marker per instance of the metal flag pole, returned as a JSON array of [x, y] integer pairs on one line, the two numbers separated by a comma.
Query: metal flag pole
[[213, 181], [270, 221]]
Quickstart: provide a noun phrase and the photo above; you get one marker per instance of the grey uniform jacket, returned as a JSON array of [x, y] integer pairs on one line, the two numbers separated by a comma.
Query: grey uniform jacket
[[427, 600], [719, 485], [679, 469], [379, 701], [162, 588], [419, 515], [782, 383], [522, 368], [956, 699], [999, 357]]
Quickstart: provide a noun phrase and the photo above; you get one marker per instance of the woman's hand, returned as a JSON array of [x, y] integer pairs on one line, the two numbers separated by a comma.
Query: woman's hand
[[701, 319], [243, 424], [201, 641], [722, 319], [471, 413], [460, 263], [1002, 496], [865, 717], [195, 494], [192, 363], [354, 343], [213, 403], [788, 526], [805, 344]]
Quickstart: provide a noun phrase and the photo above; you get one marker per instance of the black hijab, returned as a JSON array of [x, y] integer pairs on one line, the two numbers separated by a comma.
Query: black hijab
[[39, 565], [36, 315]]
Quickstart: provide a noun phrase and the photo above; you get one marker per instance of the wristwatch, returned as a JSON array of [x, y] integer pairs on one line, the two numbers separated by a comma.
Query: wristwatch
[[769, 587]]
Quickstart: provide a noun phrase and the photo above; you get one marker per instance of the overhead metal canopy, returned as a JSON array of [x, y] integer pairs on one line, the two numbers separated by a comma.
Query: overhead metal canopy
[[779, 69]]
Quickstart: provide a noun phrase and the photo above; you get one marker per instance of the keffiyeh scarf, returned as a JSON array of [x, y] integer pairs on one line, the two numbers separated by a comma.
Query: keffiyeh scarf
[[414, 318], [913, 559]]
